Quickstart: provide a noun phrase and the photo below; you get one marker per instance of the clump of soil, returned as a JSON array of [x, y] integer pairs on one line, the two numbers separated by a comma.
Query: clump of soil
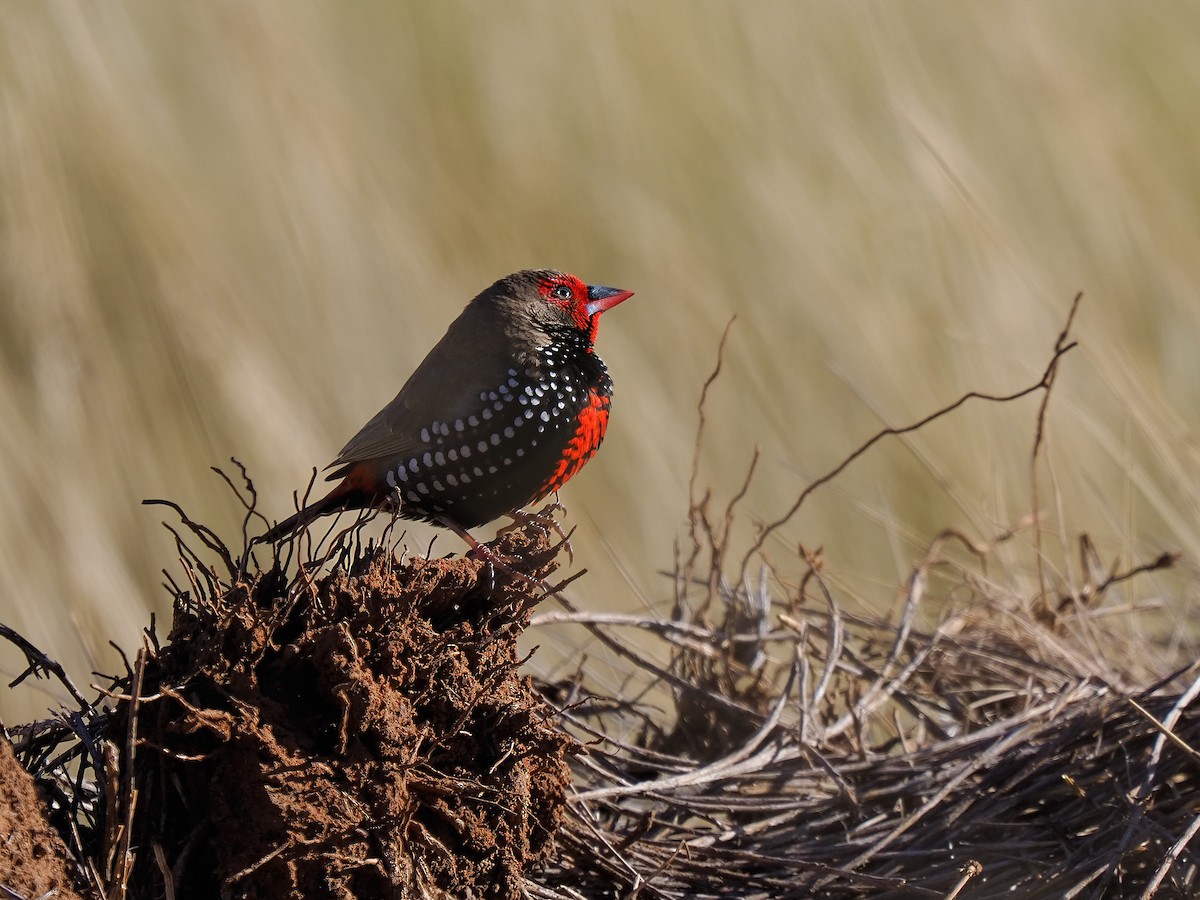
[[358, 734], [33, 858]]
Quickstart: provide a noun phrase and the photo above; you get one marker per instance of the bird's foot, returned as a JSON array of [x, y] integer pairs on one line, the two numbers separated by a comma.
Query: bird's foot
[[543, 519], [493, 560], [485, 553]]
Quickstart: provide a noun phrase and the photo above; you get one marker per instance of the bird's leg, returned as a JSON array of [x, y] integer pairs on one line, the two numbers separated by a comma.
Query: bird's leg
[[544, 519], [483, 552], [493, 559]]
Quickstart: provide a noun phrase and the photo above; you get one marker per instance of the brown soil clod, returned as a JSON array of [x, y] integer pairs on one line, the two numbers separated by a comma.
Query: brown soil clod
[[356, 734], [33, 857]]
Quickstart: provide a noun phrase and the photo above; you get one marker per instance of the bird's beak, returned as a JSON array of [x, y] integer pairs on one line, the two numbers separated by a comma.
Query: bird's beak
[[601, 299]]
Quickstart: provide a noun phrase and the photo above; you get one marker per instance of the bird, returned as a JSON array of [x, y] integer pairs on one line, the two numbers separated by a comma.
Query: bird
[[502, 412]]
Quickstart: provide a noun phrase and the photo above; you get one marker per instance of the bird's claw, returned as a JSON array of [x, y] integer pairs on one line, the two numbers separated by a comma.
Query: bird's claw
[[543, 519]]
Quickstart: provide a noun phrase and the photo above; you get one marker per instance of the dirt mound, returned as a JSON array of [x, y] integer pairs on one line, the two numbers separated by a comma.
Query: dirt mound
[[365, 733], [33, 858]]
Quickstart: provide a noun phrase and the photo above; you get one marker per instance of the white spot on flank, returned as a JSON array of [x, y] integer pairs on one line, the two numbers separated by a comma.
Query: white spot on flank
[[495, 439], [391, 479], [439, 459], [509, 433], [459, 425], [427, 459], [483, 446], [545, 418], [466, 451], [452, 454], [425, 435], [487, 413], [421, 488], [438, 486], [413, 496], [413, 465], [472, 421]]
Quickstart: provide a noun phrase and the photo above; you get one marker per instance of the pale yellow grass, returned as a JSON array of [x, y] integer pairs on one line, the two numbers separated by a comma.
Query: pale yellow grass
[[232, 230]]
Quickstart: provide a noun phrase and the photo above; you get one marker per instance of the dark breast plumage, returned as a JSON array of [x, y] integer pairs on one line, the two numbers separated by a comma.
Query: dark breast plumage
[[526, 437]]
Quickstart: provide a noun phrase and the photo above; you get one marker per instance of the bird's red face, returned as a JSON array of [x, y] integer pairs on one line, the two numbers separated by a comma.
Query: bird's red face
[[582, 302]]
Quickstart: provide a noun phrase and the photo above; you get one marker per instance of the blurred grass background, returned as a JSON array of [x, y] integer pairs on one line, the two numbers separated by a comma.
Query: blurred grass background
[[232, 229]]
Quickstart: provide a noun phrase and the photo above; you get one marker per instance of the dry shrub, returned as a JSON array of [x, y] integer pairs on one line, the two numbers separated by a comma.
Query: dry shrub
[[990, 756], [1015, 748]]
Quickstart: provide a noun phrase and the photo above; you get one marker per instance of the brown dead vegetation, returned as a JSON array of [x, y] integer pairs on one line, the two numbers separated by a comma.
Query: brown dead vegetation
[[357, 725]]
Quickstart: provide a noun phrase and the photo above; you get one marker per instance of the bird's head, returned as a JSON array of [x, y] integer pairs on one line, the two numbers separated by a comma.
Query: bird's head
[[555, 303]]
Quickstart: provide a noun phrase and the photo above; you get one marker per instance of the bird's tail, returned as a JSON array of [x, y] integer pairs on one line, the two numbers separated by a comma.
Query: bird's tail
[[340, 499]]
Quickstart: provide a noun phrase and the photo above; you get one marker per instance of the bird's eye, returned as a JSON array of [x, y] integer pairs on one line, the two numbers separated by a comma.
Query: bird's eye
[[562, 292]]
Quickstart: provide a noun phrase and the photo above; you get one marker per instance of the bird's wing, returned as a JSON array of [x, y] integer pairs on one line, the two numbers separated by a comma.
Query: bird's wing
[[445, 387]]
